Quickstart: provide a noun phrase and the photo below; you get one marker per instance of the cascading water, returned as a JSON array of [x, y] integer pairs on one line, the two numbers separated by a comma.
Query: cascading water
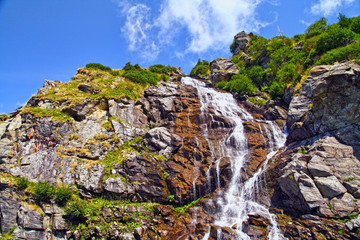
[[239, 199]]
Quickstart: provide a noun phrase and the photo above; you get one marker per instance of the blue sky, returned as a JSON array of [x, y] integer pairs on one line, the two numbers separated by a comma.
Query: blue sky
[[42, 39]]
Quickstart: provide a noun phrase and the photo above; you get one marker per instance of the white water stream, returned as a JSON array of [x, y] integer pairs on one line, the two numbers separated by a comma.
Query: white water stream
[[238, 200]]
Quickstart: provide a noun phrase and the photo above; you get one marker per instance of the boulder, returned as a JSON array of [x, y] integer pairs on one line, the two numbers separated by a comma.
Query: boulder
[[222, 69], [241, 41], [329, 186]]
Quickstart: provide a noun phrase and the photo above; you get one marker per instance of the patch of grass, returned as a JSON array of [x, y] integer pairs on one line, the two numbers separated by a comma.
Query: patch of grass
[[3, 117], [120, 155], [8, 236], [55, 114], [44, 191], [100, 136], [98, 66], [159, 68], [22, 183], [257, 101], [349, 179], [108, 126], [302, 150], [62, 195], [73, 137], [184, 209]]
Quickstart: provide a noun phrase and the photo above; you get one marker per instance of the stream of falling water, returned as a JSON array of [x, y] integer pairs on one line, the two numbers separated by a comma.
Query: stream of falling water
[[238, 200]]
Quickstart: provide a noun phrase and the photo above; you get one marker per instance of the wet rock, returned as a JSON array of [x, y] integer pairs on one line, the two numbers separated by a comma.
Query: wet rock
[[222, 69]]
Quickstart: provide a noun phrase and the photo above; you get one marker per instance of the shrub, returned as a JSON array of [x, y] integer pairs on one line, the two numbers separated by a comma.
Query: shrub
[[233, 47], [340, 54], [98, 66], [221, 85], [344, 22], [276, 90], [129, 67], [201, 68], [355, 25], [333, 37], [76, 209], [3, 117], [241, 84], [22, 183], [257, 75], [164, 78], [142, 76], [63, 195], [44, 191], [316, 28], [159, 68]]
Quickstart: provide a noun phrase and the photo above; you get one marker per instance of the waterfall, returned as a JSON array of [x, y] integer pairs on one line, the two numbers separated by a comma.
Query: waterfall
[[238, 200]]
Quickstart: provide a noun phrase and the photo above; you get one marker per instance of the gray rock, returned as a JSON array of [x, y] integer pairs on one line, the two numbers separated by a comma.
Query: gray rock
[[222, 69], [88, 128], [8, 208], [328, 102], [309, 191], [127, 132], [6, 148], [90, 177], [30, 219], [3, 126], [329, 186], [118, 186], [58, 223], [160, 139], [343, 205], [128, 112], [241, 42], [14, 125], [24, 234], [87, 88], [318, 167]]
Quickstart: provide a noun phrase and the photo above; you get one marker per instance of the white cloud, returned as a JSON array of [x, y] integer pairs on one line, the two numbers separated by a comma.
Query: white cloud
[[328, 7], [209, 24]]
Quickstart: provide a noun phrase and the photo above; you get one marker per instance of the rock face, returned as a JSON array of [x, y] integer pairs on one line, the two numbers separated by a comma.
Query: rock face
[[241, 41], [327, 103], [150, 168], [317, 174], [222, 69]]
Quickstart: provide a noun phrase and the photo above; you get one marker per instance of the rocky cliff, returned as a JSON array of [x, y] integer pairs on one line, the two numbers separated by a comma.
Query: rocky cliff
[[101, 157]]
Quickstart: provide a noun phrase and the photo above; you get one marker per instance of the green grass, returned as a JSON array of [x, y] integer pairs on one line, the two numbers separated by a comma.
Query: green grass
[[257, 101], [3, 117], [22, 183], [184, 209], [120, 155], [55, 114]]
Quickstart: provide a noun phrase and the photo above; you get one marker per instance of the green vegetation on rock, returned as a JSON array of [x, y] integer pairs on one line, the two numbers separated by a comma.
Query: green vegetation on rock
[[201, 69], [55, 114], [279, 62]]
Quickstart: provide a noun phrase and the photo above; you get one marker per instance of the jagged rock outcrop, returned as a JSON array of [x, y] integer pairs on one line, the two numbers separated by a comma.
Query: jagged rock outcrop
[[222, 69], [317, 174], [241, 41], [327, 103]]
